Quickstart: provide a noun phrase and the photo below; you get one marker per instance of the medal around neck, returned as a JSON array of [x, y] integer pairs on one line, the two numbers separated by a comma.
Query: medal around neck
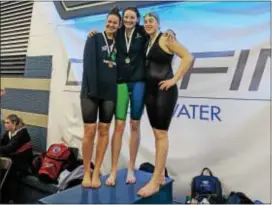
[[110, 63], [128, 44], [127, 60]]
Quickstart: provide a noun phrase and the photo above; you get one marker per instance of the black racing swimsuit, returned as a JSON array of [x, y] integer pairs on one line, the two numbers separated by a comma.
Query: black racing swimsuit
[[159, 104]]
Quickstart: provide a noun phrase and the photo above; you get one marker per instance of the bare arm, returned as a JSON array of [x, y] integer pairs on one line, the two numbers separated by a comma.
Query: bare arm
[[184, 54], [174, 47]]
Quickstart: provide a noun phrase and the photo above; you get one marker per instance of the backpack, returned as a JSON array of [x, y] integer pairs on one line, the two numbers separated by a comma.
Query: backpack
[[55, 160], [208, 187], [238, 198]]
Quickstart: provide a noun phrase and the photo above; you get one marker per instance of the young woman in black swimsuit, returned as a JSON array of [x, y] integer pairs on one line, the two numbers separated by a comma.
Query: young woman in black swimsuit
[[161, 92]]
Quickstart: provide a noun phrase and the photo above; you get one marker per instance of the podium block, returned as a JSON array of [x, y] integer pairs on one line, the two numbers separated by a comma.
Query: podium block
[[122, 193]]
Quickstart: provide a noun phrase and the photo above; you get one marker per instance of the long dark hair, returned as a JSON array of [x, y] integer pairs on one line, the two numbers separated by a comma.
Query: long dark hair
[[14, 119], [135, 10], [115, 11]]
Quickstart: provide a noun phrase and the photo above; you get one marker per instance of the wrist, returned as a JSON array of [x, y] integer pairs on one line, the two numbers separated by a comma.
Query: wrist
[[175, 79]]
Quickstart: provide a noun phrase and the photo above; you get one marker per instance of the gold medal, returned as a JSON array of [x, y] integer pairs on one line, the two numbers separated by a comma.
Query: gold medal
[[127, 60], [110, 64]]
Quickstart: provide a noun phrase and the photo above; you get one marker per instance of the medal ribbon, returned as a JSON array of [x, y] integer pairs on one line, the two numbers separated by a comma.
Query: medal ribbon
[[109, 48], [128, 41], [150, 44]]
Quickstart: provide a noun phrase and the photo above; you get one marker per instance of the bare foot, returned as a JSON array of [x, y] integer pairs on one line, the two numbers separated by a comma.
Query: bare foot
[[87, 182], [149, 189], [96, 182], [111, 179], [131, 179]]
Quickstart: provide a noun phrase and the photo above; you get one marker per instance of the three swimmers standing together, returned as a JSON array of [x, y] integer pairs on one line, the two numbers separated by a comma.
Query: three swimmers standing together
[[129, 63]]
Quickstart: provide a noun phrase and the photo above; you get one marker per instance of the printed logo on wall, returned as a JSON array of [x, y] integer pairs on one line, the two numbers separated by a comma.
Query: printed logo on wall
[[260, 65], [234, 71]]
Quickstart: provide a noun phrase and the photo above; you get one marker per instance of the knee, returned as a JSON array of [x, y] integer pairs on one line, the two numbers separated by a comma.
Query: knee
[[119, 127], [160, 134], [134, 125], [103, 130], [89, 132]]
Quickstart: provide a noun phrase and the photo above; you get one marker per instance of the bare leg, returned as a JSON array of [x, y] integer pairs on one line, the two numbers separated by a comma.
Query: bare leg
[[133, 149], [87, 151], [153, 186], [116, 145], [101, 147], [162, 177]]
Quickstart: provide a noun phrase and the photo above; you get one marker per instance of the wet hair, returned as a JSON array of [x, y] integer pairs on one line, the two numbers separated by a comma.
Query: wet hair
[[135, 10], [154, 15], [115, 11], [14, 119]]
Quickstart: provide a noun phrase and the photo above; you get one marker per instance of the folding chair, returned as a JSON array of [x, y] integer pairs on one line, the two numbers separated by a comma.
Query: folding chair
[[5, 164]]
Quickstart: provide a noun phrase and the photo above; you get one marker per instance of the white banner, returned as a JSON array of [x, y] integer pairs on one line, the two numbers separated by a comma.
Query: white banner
[[222, 117]]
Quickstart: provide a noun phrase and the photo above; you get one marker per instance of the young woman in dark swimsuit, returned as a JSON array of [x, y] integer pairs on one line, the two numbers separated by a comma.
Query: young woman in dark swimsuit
[[161, 92]]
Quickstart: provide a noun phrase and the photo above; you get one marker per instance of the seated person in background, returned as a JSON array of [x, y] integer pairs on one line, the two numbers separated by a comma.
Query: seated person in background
[[16, 145], [3, 92]]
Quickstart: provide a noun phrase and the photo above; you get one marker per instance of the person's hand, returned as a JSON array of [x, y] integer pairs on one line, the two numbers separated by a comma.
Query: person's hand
[[170, 35], [166, 84], [3, 92], [92, 33]]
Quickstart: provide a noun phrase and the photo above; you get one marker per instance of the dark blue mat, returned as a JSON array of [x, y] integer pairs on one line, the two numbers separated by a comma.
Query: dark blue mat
[[122, 193]]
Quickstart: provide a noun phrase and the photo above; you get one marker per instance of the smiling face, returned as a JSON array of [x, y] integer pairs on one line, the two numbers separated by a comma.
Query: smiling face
[[151, 25], [130, 19], [112, 24]]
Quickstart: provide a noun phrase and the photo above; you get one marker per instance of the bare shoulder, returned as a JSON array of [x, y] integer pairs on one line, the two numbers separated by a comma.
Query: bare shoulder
[[178, 48], [165, 39], [163, 43], [173, 45]]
